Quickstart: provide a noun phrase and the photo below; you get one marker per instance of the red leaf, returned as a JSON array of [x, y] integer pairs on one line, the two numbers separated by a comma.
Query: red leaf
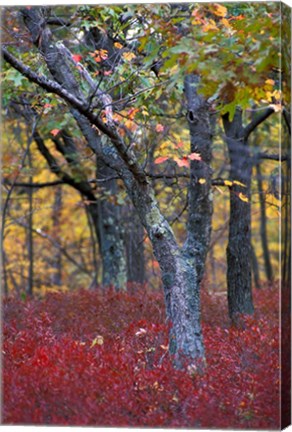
[[54, 132], [160, 159], [183, 162], [77, 57], [195, 156]]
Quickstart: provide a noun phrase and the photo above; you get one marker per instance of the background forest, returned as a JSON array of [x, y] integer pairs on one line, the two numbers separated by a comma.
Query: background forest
[[146, 216]]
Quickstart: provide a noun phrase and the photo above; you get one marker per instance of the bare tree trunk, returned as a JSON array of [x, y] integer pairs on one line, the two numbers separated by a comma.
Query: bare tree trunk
[[255, 268], [30, 245], [57, 258], [239, 240], [134, 244]]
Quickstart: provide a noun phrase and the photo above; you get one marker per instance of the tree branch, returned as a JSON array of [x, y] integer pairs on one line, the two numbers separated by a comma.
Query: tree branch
[[33, 185], [257, 121], [287, 117], [82, 107]]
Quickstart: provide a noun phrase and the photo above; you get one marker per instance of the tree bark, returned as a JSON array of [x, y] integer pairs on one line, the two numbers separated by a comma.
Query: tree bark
[[200, 193], [134, 243], [239, 240], [57, 258], [263, 225]]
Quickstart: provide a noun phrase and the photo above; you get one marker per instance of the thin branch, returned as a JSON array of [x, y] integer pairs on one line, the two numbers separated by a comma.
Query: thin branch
[[33, 185], [257, 121], [287, 118], [275, 157]]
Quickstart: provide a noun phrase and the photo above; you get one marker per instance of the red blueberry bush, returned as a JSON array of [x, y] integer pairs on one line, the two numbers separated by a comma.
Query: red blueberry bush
[[101, 359]]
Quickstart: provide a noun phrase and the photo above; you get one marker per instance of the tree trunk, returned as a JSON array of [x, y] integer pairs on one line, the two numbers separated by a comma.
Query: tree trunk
[[255, 268], [263, 226], [239, 240], [180, 283], [57, 258], [134, 244], [109, 231], [29, 288], [200, 194]]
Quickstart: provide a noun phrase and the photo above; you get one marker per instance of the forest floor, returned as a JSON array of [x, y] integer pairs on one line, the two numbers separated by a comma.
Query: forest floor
[[101, 359]]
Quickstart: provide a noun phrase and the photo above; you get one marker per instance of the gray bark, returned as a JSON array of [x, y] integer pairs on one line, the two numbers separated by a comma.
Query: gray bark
[[200, 194]]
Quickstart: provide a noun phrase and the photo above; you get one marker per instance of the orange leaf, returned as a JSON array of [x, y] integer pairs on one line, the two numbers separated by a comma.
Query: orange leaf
[[160, 159], [118, 45], [132, 112], [54, 132], [179, 144], [195, 156], [183, 162]]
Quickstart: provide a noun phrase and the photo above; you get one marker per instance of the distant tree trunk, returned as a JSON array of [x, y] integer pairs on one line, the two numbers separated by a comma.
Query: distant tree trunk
[[239, 240], [57, 258], [263, 225], [29, 288], [134, 243], [255, 268], [109, 230]]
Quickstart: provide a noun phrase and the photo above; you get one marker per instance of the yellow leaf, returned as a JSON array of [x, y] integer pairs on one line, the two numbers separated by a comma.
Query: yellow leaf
[[128, 56], [225, 22], [270, 82], [228, 183], [243, 197], [239, 183], [202, 180], [220, 10]]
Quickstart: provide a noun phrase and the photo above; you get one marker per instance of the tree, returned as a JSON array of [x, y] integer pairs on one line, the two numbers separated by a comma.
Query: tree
[[143, 35]]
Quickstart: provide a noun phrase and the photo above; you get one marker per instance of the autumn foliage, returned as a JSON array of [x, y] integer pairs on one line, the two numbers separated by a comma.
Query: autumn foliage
[[101, 359]]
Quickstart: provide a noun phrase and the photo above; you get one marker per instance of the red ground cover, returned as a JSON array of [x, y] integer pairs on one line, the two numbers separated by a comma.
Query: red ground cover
[[88, 358]]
